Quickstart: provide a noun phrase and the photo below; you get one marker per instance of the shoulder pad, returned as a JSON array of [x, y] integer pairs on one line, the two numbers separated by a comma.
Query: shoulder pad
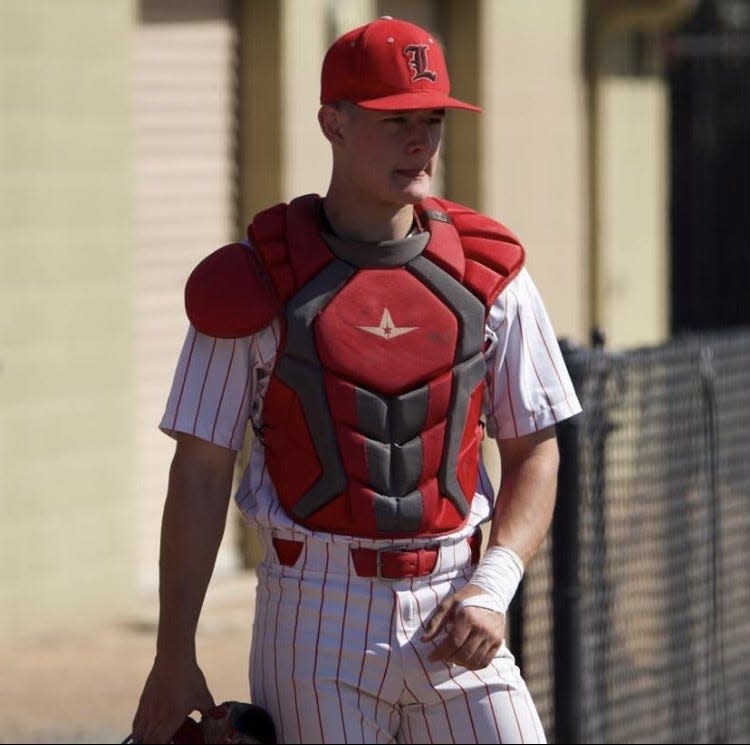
[[289, 244], [494, 255], [227, 294]]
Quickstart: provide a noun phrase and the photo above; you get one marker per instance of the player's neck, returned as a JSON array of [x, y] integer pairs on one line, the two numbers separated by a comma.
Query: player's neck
[[368, 224]]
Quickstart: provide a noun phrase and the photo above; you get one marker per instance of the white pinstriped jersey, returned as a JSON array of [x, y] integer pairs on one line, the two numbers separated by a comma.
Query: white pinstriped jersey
[[219, 386]]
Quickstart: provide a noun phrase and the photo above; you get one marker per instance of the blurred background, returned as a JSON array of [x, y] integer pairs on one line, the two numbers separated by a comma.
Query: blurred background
[[138, 135]]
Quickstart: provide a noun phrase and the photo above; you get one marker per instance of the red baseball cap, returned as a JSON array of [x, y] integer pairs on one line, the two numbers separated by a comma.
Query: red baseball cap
[[388, 65]]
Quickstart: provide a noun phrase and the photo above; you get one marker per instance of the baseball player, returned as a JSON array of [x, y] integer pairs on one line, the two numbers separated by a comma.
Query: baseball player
[[369, 336]]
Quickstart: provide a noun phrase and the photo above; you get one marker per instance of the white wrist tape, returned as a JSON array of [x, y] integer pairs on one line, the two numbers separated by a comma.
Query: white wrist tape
[[483, 600], [498, 573]]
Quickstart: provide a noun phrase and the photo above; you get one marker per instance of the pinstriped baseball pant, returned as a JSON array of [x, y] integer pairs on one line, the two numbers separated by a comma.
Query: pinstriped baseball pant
[[338, 658]]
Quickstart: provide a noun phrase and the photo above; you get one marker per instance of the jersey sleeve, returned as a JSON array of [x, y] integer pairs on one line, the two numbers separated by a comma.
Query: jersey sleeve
[[528, 387], [212, 390]]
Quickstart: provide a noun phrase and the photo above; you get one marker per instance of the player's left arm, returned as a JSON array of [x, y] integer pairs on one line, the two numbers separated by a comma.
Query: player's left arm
[[529, 390], [528, 486], [474, 629]]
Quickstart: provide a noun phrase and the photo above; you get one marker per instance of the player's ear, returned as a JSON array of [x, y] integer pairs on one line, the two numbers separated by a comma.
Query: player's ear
[[330, 118]]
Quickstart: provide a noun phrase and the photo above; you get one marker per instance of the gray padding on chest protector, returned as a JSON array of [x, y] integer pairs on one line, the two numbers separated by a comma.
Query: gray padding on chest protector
[[304, 307], [467, 377], [468, 371], [392, 426], [402, 515], [394, 469], [467, 307], [299, 367], [392, 418], [375, 256]]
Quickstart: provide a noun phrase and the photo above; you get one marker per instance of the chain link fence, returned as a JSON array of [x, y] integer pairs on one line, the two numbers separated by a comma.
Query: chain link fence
[[632, 624]]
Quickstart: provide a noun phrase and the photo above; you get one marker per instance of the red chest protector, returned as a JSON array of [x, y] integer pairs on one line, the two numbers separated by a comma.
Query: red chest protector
[[371, 418]]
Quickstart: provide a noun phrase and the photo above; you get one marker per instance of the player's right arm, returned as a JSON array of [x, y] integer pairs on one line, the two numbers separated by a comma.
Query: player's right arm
[[200, 481]]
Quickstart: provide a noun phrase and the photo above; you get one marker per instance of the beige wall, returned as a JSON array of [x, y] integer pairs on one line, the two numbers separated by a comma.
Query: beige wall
[[628, 128], [283, 152], [306, 160], [536, 132], [533, 144], [633, 199], [66, 341], [184, 101]]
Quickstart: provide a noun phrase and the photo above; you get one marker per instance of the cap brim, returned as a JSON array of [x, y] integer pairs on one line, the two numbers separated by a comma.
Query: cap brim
[[414, 101]]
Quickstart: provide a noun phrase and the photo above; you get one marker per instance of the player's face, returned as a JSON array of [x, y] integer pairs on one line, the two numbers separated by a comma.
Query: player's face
[[391, 156]]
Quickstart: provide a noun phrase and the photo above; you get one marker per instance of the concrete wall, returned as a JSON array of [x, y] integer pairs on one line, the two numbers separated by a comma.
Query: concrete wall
[[66, 294]]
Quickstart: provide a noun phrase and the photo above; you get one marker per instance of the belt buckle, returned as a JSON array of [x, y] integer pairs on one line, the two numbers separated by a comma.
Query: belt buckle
[[401, 550], [391, 549]]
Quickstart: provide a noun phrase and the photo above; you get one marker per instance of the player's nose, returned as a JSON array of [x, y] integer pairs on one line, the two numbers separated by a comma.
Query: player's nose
[[422, 137]]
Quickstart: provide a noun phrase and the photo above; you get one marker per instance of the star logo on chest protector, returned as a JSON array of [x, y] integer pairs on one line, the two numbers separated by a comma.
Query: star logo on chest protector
[[386, 329]]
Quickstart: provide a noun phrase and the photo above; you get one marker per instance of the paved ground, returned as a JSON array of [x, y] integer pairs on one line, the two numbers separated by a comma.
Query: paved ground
[[84, 689]]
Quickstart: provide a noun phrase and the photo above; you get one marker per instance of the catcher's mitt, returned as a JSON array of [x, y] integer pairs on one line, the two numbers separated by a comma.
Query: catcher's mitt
[[230, 722]]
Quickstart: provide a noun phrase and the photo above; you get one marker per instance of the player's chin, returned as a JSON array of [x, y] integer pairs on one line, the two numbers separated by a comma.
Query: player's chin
[[415, 191]]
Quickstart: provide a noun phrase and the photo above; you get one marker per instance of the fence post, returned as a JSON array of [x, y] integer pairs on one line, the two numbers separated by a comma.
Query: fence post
[[566, 596]]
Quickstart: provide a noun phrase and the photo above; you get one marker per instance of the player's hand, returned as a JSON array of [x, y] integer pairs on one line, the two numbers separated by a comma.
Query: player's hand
[[472, 634], [173, 690]]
